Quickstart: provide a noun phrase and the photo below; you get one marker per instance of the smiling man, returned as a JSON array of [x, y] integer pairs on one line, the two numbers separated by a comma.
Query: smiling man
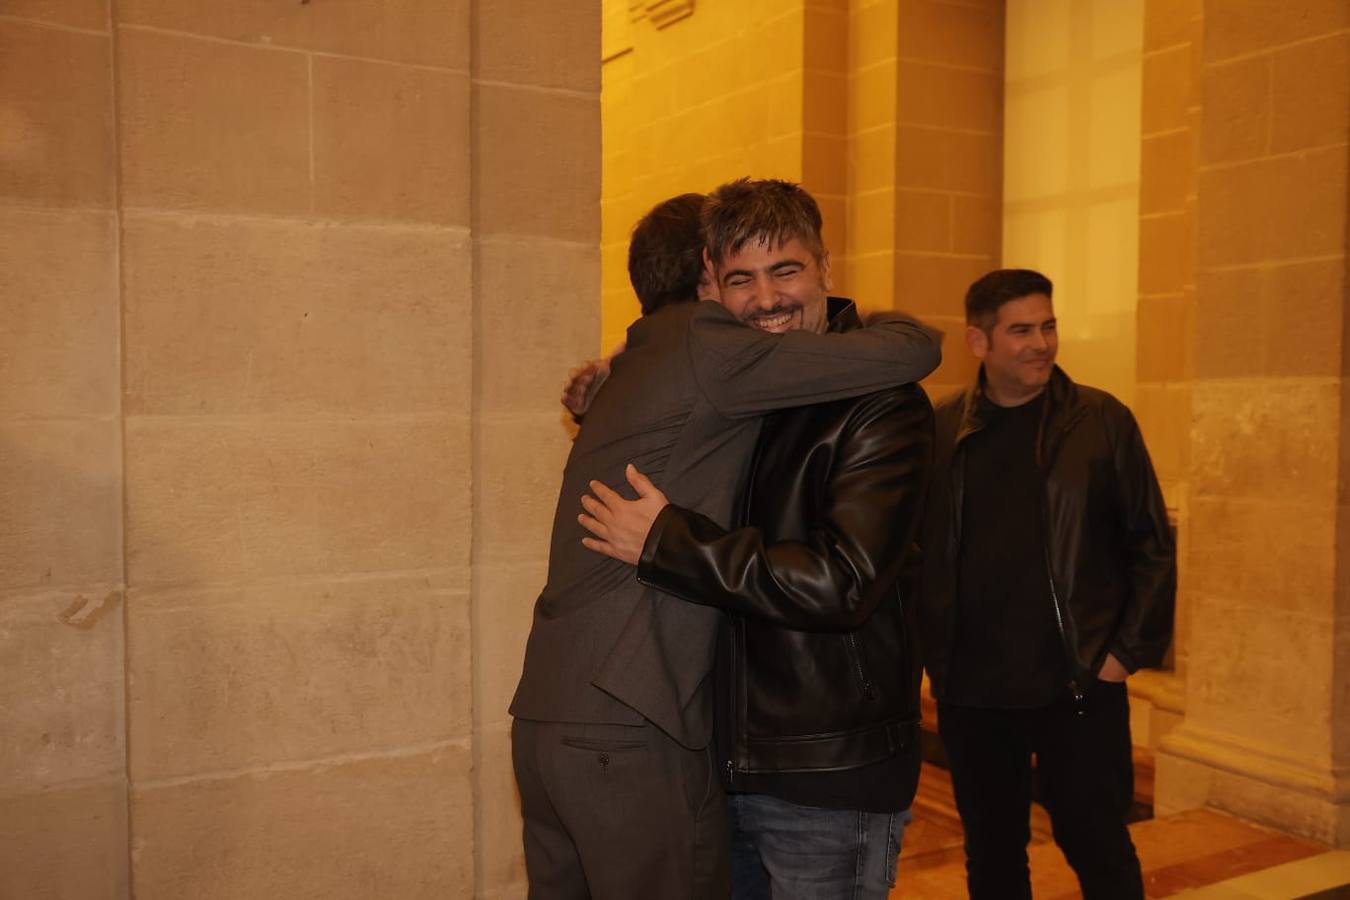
[[1049, 576], [817, 678], [613, 713]]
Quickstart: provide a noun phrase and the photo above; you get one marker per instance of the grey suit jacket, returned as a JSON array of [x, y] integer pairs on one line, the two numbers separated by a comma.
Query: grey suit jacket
[[683, 403]]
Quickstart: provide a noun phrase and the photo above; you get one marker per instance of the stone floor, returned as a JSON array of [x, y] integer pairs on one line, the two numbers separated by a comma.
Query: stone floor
[[1198, 855]]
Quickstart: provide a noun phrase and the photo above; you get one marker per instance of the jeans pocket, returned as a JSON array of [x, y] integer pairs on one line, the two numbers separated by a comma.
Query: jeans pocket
[[895, 833]]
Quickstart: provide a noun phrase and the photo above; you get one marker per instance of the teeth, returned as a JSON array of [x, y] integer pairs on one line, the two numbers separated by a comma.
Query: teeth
[[773, 321]]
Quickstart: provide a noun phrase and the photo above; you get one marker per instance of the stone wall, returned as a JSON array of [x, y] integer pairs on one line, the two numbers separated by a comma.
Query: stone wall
[[890, 113], [290, 290], [1267, 640]]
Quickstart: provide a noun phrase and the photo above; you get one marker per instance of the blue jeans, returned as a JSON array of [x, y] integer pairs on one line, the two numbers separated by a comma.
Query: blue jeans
[[790, 852]]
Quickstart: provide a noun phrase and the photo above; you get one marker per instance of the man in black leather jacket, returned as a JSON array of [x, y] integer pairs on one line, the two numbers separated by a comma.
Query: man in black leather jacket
[[818, 671], [1049, 575]]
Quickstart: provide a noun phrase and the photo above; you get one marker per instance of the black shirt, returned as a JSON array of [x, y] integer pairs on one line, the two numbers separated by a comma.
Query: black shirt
[[1008, 652]]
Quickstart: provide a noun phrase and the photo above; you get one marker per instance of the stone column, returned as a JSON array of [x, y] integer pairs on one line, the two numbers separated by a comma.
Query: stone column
[[944, 198], [62, 742], [1266, 733], [297, 300], [1165, 317], [536, 229]]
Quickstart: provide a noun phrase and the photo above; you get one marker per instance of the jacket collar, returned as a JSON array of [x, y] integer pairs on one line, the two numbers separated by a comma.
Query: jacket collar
[[842, 315], [1061, 411]]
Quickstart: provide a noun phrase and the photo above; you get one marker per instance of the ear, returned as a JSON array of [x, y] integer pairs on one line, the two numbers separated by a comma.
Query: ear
[[977, 341], [825, 280], [711, 272]]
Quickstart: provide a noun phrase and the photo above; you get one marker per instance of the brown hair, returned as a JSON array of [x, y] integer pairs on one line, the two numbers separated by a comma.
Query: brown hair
[[992, 290], [665, 255], [753, 209]]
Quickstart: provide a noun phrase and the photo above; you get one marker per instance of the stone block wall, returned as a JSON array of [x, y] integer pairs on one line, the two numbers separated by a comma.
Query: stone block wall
[[291, 289], [889, 113], [1265, 734]]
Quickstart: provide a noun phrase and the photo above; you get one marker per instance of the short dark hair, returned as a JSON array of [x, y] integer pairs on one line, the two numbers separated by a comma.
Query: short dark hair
[[665, 254], [991, 291], [760, 209]]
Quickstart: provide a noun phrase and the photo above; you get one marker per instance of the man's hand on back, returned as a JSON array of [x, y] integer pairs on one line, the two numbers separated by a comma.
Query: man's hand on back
[[620, 526], [583, 381]]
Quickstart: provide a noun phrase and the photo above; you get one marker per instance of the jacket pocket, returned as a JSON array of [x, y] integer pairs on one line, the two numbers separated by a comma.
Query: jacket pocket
[[603, 745]]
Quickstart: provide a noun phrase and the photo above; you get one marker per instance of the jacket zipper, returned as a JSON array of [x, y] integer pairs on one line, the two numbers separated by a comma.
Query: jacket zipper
[[1075, 688], [863, 681]]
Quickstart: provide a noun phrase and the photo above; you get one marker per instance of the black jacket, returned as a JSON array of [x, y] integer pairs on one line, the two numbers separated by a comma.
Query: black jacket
[[1111, 558], [823, 663]]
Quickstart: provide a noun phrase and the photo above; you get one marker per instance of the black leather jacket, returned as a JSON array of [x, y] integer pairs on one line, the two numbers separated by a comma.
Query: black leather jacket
[[1110, 555], [823, 660]]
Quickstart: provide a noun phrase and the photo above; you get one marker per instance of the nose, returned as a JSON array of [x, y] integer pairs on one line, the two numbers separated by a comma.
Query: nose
[[1039, 341], [765, 296]]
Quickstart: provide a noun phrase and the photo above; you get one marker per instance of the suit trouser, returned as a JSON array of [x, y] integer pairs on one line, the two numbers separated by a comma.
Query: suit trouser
[[618, 812], [1085, 773]]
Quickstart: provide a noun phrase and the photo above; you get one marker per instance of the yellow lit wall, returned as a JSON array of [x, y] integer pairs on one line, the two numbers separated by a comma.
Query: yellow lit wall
[[1071, 173], [704, 99]]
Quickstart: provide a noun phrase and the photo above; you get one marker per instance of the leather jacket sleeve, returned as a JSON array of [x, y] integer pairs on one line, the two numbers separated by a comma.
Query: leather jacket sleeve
[[1145, 628], [852, 554], [746, 372]]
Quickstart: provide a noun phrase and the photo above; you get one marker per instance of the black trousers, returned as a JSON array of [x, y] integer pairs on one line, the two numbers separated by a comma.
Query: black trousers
[[619, 812], [1086, 777]]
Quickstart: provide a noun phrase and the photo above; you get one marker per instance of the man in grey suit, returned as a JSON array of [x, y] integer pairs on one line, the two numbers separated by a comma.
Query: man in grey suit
[[614, 711]]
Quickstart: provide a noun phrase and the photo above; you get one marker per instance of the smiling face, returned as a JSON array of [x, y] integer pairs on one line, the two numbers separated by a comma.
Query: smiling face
[[775, 289], [1018, 350]]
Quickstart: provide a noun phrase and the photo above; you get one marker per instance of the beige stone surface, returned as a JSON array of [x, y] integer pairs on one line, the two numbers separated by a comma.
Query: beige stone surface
[[396, 826], [504, 608], [390, 142], [425, 32], [1282, 208], [538, 317], [1167, 172], [948, 160], [950, 34], [1164, 338], [1247, 26], [549, 45], [89, 14], [61, 695], [1166, 261], [521, 461], [56, 128], [949, 98], [1232, 342], [1237, 112], [502, 859], [1240, 682], [932, 285], [923, 222], [977, 224], [67, 843], [60, 492], [1167, 87], [1265, 440], [1245, 786], [231, 500], [239, 316], [1297, 573], [212, 126], [1164, 415], [58, 342], [225, 679], [1168, 22], [1310, 94], [536, 172]]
